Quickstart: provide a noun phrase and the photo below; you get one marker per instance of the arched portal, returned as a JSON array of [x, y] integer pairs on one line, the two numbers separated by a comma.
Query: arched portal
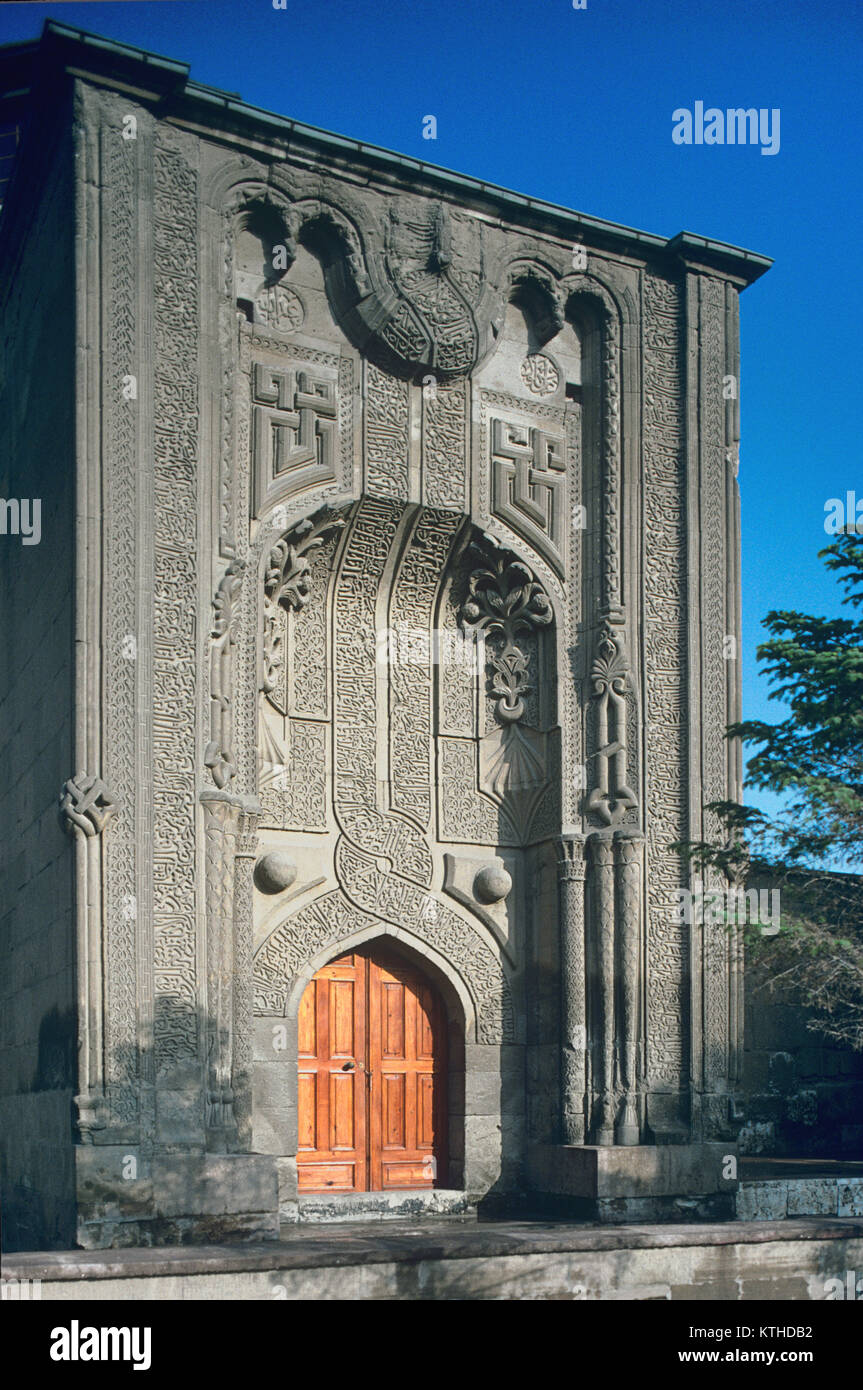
[[372, 1075]]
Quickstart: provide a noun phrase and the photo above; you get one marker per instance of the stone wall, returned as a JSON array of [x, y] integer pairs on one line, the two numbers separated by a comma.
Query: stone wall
[[37, 628], [802, 1093]]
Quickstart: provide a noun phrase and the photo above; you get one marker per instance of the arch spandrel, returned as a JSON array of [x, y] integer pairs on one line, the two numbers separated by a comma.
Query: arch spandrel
[[332, 925]]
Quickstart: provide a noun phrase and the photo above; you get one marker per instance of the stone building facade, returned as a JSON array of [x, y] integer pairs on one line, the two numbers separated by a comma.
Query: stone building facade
[[389, 549]]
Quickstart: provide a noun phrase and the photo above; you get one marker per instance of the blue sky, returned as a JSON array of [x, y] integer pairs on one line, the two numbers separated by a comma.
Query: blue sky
[[575, 107]]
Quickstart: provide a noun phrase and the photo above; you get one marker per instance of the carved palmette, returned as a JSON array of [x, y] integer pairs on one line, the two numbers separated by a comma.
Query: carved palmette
[[611, 796]]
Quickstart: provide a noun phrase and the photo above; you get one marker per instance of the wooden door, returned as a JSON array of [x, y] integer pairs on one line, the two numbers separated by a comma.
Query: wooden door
[[407, 1067], [372, 1118]]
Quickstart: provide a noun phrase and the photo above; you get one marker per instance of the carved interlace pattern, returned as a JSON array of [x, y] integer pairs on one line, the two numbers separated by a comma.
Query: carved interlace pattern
[[125, 500], [175, 411], [86, 804], [444, 447], [333, 918], [383, 861], [387, 437], [665, 598]]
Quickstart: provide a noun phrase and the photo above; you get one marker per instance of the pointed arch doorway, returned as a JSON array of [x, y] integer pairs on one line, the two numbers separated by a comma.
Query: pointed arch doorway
[[372, 1076]]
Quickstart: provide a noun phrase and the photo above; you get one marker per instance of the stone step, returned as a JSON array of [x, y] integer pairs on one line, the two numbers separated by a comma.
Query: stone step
[[448, 1258], [776, 1199], [381, 1206]]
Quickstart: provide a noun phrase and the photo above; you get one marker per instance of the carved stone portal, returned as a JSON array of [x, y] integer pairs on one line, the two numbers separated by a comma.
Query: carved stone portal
[[398, 593]]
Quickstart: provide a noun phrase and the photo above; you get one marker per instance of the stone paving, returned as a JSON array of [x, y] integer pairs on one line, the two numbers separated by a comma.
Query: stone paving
[[463, 1258]]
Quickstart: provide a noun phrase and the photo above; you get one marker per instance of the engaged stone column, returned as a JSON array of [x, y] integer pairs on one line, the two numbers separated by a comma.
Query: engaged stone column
[[628, 848], [570, 870], [221, 812], [247, 849], [85, 807], [603, 890]]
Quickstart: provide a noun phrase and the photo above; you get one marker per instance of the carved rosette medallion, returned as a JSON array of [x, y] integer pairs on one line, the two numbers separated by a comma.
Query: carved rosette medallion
[[280, 308], [540, 375]]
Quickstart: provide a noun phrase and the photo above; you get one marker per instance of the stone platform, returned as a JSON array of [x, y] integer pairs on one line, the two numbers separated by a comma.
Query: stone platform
[[459, 1258], [772, 1189]]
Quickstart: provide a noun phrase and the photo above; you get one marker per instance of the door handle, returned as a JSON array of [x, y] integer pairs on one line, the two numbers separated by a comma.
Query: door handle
[[348, 1066]]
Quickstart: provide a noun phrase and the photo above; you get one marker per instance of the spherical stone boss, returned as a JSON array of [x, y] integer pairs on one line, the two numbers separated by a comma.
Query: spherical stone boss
[[275, 871], [492, 883]]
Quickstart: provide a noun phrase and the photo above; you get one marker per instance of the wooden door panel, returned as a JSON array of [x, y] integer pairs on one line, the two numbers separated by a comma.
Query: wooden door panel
[[307, 1023], [393, 1135], [393, 1021], [424, 1044], [308, 1108], [343, 1105], [425, 1112], [342, 1008], [330, 1177], [412, 1174]]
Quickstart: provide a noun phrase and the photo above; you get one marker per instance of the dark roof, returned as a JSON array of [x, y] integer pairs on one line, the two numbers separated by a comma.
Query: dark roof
[[149, 75]]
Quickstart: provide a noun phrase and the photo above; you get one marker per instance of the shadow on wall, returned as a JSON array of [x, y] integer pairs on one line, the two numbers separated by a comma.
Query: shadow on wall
[[133, 1191], [803, 1095], [36, 1171]]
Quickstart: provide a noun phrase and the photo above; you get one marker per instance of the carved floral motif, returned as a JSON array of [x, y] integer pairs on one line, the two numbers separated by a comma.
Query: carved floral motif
[[504, 600], [287, 582], [218, 756]]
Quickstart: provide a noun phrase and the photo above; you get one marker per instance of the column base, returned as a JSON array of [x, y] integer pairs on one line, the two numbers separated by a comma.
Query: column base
[[639, 1182]]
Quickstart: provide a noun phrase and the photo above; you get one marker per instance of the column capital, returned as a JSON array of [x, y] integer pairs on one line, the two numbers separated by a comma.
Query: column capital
[[629, 844], [600, 844], [570, 857]]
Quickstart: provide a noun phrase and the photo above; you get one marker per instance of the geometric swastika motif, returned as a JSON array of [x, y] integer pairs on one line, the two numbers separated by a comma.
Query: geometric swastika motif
[[529, 487], [295, 433]]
